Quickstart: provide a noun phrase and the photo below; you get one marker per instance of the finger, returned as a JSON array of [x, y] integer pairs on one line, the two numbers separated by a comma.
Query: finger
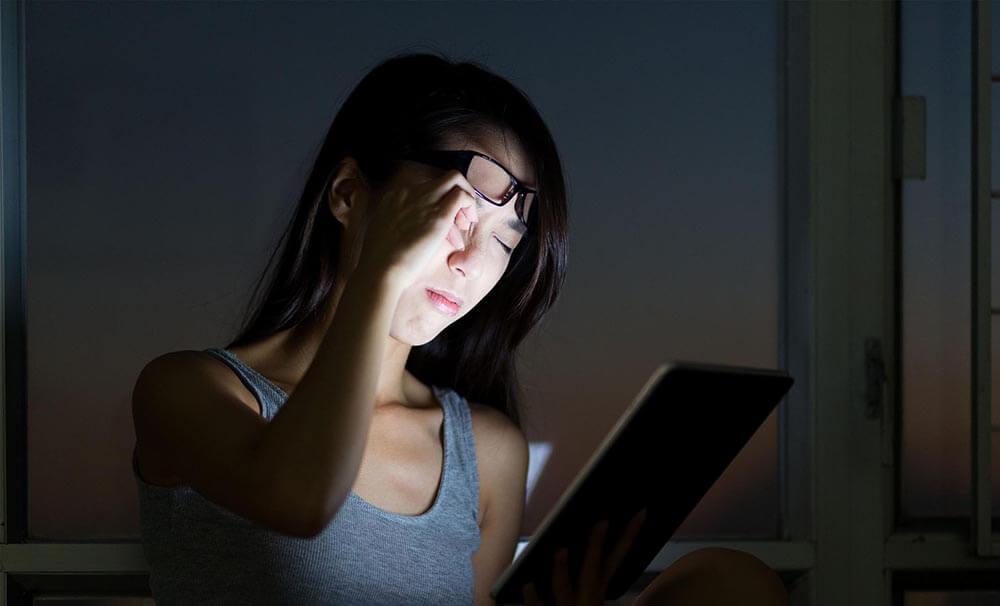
[[530, 595], [446, 196], [455, 212], [454, 183], [452, 202], [590, 570], [465, 217], [633, 528], [623, 544], [448, 181], [561, 586]]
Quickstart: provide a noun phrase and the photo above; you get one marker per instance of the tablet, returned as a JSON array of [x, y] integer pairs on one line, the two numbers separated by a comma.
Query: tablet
[[670, 445]]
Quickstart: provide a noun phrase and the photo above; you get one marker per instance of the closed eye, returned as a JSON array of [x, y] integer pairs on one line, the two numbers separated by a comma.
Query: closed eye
[[507, 249]]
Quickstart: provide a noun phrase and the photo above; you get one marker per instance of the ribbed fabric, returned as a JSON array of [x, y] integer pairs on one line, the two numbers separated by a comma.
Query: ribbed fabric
[[201, 553]]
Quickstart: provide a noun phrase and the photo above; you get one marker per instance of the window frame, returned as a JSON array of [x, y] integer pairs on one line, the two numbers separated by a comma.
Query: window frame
[[838, 426], [985, 541]]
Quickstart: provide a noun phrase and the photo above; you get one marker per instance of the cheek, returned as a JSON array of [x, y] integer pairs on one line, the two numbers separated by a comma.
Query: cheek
[[490, 283]]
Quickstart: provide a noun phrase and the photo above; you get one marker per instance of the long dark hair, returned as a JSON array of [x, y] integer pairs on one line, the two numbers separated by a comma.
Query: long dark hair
[[407, 103]]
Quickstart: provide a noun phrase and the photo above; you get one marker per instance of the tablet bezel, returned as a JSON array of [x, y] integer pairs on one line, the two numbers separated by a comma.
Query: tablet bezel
[[623, 421]]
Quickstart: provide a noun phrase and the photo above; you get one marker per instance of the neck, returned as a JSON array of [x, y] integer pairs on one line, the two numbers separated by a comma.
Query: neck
[[289, 353]]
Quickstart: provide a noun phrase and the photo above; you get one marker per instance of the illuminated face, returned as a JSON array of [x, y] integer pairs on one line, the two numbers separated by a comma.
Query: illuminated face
[[472, 258]]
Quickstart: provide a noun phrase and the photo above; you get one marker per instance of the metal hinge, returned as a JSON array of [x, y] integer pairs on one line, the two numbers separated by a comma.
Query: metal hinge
[[874, 378], [910, 153]]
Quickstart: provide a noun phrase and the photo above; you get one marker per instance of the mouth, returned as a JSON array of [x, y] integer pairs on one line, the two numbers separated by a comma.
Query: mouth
[[443, 302]]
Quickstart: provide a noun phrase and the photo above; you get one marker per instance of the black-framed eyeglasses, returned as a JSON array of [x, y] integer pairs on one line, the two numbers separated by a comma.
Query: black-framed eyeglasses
[[489, 178]]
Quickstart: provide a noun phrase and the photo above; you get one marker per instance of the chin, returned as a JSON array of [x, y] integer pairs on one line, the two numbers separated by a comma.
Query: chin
[[423, 342], [418, 332], [417, 323], [414, 340]]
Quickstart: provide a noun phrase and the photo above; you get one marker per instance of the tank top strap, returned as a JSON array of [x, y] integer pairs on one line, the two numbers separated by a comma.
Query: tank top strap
[[270, 396], [461, 451], [459, 440]]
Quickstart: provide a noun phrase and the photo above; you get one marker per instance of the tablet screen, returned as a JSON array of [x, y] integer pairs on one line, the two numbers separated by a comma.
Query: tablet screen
[[664, 453]]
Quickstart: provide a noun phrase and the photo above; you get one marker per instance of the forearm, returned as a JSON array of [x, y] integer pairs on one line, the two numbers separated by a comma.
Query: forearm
[[312, 449]]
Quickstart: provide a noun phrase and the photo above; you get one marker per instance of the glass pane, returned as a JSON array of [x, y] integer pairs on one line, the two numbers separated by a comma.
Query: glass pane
[[164, 160], [935, 266], [951, 598]]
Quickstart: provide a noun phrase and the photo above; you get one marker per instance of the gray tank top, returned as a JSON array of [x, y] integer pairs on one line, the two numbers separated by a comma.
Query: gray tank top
[[199, 552]]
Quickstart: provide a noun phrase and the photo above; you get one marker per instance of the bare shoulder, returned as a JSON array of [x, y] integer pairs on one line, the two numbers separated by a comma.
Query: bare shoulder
[[178, 363], [501, 453], [494, 430], [201, 370], [162, 387]]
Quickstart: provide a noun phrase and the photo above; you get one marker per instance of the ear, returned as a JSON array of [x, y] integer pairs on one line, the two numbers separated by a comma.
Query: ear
[[348, 192]]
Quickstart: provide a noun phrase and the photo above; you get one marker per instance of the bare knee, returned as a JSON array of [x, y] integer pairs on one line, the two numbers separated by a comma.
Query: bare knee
[[715, 575], [751, 575]]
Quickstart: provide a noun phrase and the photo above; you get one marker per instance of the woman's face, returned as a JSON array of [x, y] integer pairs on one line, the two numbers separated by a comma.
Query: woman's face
[[471, 259]]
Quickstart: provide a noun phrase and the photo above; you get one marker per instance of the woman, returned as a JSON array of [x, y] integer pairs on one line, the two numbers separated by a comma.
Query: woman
[[359, 442]]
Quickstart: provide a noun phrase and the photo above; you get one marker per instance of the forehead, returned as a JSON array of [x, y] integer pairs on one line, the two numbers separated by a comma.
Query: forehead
[[502, 147]]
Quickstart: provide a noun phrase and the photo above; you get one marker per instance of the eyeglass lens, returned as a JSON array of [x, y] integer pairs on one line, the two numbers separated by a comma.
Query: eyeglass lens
[[492, 181]]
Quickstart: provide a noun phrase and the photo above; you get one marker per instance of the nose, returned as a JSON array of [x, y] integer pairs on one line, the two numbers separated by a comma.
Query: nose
[[467, 261]]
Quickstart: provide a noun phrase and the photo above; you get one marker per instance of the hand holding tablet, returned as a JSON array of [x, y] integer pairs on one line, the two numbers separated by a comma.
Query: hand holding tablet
[[596, 572], [683, 429]]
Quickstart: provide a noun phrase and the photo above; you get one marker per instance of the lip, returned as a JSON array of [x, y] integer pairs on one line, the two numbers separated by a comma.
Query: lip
[[448, 295], [451, 303]]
